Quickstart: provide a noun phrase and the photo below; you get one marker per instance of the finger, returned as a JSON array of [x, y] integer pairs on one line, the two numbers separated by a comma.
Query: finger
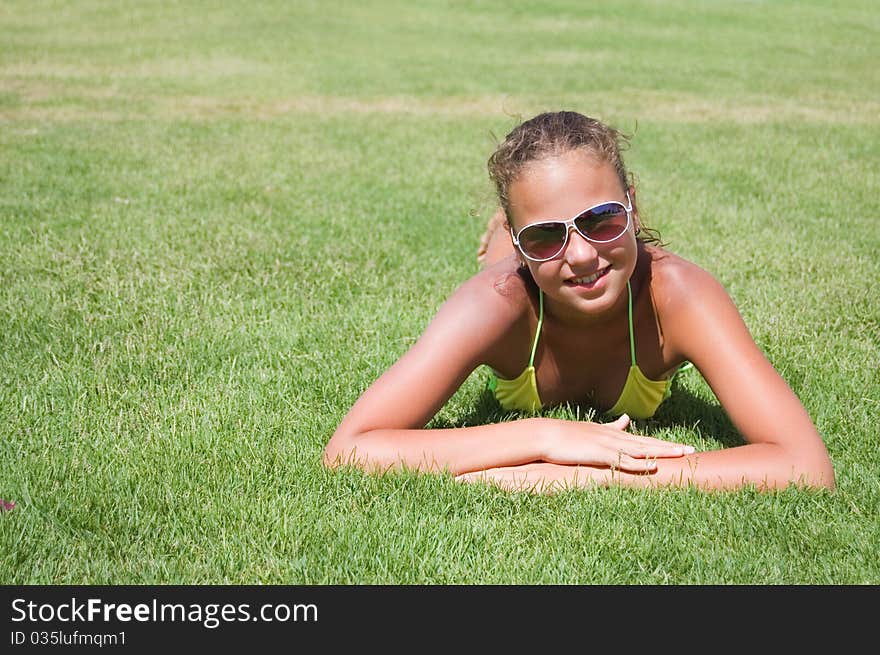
[[652, 441], [632, 443], [620, 423], [667, 450], [635, 465]]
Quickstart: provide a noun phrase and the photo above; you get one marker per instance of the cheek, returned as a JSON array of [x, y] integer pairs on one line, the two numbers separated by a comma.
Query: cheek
[[630, 249], [627, 248], [625, 256], [548, 271]]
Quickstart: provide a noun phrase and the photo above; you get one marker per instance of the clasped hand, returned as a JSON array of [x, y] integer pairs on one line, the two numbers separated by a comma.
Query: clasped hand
[[606, 444], [572, 444]]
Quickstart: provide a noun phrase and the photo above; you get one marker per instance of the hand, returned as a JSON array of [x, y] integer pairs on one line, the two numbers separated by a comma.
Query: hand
[[606, 444]]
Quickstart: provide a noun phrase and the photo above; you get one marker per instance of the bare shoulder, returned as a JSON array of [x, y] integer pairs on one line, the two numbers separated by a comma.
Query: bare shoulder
[[696, 313], [487, 315], [498, 293], [677, 283]]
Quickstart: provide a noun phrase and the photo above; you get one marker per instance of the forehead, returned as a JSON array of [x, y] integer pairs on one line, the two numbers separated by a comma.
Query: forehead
[[562, 186]]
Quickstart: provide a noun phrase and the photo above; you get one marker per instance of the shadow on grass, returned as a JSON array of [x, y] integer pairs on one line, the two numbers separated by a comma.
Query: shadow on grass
[[681, 409], [486, 410]]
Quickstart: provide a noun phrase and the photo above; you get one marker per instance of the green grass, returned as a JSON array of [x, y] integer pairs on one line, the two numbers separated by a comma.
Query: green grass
[[219, 225]]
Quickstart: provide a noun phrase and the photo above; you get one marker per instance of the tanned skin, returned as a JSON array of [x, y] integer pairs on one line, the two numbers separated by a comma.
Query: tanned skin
[[680, 313]]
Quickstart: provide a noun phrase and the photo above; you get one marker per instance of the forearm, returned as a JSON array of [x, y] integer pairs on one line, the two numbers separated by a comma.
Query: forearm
[[456, 450], [767, 466]]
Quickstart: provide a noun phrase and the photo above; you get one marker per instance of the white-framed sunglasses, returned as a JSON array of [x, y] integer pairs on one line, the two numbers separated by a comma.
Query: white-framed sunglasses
[[601, 223]]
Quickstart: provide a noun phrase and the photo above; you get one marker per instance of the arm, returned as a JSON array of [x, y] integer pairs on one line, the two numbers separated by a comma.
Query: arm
[[763, 466], [782, 444], [385, 427], [702, 324]]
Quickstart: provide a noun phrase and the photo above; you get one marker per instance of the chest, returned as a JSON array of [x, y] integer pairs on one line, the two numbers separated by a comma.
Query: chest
[[592, 365]]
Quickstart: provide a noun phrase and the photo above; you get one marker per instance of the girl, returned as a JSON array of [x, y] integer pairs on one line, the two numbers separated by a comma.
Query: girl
[[577, 303]]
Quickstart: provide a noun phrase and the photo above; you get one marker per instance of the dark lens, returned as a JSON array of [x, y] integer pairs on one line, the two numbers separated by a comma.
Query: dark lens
[[543, 240], [603, 223]]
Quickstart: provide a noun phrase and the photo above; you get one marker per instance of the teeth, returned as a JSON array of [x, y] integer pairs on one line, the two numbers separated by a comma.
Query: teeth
[[588, 278]]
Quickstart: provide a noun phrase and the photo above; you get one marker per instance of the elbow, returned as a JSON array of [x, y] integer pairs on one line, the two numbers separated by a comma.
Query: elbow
[[338, 451], [815, 471], [347, 448], [822, 474], [780, 466]]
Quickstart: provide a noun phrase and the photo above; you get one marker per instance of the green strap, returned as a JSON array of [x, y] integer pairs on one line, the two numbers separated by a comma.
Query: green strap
[[632, 339], [540, 323], [684, 366]]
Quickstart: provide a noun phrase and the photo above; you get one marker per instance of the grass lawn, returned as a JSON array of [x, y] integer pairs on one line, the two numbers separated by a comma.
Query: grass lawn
[[218, 225]]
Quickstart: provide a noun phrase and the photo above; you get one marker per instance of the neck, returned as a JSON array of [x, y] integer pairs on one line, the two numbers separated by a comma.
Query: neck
[[571, 317]]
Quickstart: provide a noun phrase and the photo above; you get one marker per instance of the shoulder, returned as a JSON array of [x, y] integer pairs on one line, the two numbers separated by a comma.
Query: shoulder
[[496, 293], [487, 314], [693, 307], [677, 283]]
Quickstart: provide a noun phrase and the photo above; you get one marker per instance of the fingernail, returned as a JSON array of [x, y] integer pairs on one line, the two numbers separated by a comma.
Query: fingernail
[[688, 450]]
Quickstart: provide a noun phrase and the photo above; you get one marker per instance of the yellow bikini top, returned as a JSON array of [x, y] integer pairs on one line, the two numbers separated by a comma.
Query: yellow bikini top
[[640, 397]]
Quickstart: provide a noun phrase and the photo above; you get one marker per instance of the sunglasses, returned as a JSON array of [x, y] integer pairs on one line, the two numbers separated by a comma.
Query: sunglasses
[[600, 223]]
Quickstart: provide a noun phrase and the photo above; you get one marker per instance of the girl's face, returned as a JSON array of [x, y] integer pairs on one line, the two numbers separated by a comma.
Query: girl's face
[[586, 279]]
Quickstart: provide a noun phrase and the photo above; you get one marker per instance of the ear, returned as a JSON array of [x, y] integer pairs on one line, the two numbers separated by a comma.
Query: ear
[[637, 223]]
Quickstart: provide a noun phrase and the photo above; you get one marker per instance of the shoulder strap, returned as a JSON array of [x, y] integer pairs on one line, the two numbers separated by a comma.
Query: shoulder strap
[[632, 339], [540, 323]]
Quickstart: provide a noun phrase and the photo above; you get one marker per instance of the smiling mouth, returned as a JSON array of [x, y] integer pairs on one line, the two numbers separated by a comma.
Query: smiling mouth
[[588, 280]]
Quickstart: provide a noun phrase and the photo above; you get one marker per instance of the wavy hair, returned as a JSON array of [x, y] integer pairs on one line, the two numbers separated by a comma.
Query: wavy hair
[[552, 134]]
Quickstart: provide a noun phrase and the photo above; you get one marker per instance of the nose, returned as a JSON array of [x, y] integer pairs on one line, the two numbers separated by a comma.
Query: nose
[[578, 250]]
